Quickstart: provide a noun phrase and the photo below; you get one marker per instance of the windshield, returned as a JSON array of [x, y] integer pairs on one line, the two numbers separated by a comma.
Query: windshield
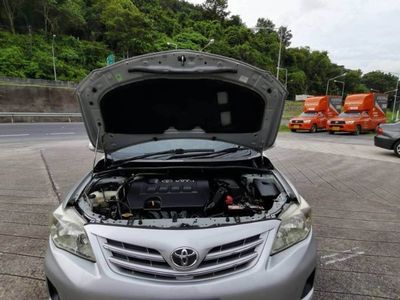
[[165, 145], [350, 114], [308, 114]]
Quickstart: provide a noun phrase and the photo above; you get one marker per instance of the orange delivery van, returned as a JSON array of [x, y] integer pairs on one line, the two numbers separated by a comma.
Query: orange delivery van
[[361, 112], [316, 112]]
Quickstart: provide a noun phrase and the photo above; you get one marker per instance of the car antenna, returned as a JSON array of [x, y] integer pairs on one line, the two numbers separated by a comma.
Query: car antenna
[[95, 149]]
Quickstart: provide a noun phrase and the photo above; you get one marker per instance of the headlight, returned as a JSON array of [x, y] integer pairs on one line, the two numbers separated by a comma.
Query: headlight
[[307, 121], [349, 122], [67, 233], [295, 226]]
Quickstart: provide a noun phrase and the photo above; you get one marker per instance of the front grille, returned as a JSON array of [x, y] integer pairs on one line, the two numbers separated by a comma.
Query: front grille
[[297, 121], [148, 263], [338, 122]]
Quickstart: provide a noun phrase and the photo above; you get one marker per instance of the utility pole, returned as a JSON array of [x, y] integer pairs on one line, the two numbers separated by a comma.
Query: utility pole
[[54, 59]]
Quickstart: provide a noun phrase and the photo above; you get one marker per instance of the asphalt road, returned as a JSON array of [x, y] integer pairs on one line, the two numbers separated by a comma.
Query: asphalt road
[[34, 132], [352, 186]]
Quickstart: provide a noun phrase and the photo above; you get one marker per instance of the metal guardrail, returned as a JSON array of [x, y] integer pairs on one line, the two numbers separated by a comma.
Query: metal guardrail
[[12, 115]]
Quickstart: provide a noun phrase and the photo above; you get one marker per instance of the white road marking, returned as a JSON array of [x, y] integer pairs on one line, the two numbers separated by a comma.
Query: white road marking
[[344, 258], [61, 133], [331, 255], [340, 252], [14, 135]]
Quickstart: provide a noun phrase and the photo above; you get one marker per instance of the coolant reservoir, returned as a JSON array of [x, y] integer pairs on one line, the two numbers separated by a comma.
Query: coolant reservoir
[[100, 199]]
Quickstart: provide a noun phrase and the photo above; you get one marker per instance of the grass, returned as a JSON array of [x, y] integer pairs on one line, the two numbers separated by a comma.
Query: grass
[[292, 109], [284, 128], [389, 116]]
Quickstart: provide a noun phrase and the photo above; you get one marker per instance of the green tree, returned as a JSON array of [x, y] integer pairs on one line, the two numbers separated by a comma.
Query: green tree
[[127, 29], [286, 35], [10, 9], [265, 24], [190, 39], [353, 82], [87, 30], [380, 81], [297, 83], [216, 9]]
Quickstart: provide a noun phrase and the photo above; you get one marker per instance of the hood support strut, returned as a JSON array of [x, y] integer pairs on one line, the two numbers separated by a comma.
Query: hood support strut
[[95, 150]]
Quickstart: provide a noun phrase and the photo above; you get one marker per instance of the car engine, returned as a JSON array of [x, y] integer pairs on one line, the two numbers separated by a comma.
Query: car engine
[[162, 196]]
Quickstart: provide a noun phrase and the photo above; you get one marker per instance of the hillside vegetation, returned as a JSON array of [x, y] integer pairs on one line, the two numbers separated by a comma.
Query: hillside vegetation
[[87, 31]]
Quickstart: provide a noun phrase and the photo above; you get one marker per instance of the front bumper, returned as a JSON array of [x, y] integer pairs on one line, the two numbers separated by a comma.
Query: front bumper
[[342, 127], [300, 126], [279, 277], [384, 142]]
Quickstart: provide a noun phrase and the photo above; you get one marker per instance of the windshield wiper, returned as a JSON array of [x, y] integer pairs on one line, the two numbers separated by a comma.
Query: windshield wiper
[[171, 152], [210, 154]]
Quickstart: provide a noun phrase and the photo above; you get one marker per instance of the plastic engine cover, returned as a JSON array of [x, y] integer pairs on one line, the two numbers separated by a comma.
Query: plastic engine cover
[[154, 193]]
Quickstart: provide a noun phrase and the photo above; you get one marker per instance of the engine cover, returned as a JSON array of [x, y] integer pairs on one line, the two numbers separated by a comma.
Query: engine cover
[[156, 193]]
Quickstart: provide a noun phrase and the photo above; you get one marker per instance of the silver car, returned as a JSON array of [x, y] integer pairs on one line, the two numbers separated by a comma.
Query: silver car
[[183, 204]]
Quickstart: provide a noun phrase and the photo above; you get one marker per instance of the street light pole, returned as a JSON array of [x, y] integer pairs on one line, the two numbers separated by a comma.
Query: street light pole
[[210, 42], [172, 44], [279, 54], [54, 59], [280, 33], [329, 80], [395, 99], [343, 84], [286, 76]]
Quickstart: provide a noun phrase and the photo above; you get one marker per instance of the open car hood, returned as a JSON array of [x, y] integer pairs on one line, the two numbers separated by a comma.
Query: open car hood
[[178, 95]]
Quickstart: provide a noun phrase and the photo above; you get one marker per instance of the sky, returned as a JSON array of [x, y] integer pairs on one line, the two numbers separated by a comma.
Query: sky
[[359, 34]]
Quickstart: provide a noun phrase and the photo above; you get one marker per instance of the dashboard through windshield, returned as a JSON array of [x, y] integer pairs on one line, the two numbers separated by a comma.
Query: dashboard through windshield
[[350, 115]]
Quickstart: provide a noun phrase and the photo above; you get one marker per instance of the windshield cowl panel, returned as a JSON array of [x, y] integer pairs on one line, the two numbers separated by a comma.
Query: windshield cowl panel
[[181, 149]]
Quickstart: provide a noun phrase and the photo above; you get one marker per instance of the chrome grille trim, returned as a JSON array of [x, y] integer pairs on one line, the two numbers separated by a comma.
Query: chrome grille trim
[[134, 253], [338, 122], [147, 263], [173, 273], [232, 251]]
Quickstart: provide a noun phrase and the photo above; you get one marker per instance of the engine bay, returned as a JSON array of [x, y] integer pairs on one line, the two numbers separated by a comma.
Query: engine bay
[[142, 197]]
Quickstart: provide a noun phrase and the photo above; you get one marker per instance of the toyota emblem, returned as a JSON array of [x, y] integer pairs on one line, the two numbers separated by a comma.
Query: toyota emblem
[[184, 257]]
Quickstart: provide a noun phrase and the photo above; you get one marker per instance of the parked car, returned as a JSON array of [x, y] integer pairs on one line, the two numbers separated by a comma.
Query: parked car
[[316, 112], [361, 113], [388, 137], [184, 204]]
